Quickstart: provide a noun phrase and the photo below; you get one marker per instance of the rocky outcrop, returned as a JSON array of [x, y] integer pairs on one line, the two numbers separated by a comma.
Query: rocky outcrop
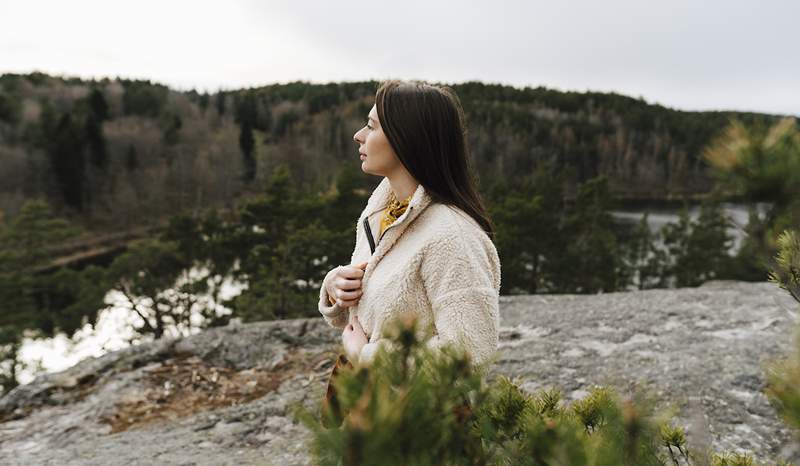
[[224, 396]]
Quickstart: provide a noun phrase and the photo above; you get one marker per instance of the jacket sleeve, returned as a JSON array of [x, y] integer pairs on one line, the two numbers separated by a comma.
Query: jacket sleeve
[[335, 315], [461, 275]]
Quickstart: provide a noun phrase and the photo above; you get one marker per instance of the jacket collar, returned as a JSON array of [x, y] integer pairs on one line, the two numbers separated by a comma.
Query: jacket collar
[[377, 202], [379, 199]]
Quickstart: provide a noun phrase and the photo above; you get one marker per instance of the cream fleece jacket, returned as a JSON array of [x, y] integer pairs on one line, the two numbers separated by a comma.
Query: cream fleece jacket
[[434, 262]]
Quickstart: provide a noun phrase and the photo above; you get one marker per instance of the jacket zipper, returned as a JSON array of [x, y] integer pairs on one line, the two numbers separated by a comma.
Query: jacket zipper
[[372, 244]]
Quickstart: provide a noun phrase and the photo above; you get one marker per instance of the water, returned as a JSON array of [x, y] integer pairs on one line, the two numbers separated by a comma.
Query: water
[[114, 324], [113, 331], [737, 214]]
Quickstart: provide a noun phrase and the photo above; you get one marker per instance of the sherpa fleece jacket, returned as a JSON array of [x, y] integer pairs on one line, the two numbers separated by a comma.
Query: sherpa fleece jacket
[[434, 262]]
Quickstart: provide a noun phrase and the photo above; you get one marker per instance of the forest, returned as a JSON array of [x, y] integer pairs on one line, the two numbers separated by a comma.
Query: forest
[[262, 185], [110, 154]]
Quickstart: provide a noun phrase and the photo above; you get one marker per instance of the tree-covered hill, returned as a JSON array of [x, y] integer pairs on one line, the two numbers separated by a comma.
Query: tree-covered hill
[[113, 153]]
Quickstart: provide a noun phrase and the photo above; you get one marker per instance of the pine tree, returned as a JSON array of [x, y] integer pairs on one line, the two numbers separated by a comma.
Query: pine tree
[[93, 128], [43, 304], [698, 250], [528, 215], [783, 388], [645, 261], [283, 248], [97, 105], [247, 118], [591, 261], [414, 405], [68, 161], [219, 102], [9, 108], [171, 124], [203, 101], [762, 164], [144, 274], [247, 145]]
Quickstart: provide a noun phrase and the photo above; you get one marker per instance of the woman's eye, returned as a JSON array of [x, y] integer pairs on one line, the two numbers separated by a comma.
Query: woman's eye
[[370, 127]]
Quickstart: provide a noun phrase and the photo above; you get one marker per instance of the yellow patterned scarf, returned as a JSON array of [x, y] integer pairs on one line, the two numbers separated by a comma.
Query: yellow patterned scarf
[[394, 210]]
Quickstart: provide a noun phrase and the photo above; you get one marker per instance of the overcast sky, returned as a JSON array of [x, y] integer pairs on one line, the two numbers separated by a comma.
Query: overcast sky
[[692, 55]]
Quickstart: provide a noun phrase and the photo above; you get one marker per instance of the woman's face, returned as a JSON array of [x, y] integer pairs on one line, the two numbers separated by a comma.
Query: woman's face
[[377, 155]]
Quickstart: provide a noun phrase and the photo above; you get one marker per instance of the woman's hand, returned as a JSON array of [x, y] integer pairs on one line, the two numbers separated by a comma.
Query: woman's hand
[[344, 284], [353, 338]]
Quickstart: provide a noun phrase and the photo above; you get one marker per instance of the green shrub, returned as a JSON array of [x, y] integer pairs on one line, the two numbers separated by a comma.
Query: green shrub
[[416, 406], [783, 387]]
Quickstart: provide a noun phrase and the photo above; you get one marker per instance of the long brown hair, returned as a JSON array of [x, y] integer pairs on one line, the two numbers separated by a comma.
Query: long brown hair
[[425, 126]]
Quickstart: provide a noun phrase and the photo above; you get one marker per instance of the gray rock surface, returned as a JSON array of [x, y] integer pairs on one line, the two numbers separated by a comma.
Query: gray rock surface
[[223, 396]]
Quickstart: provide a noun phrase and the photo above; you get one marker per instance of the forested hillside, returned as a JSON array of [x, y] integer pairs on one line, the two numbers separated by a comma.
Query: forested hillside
[[115, 153]]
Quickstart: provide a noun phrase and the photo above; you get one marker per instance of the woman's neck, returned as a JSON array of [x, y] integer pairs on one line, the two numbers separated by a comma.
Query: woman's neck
[[403, 186]]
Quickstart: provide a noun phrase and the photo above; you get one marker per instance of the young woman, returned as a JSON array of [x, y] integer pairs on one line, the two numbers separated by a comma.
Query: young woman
[[424, 241]]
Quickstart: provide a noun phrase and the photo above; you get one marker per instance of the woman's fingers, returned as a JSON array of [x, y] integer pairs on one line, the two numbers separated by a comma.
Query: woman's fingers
[[347, 292], [347, 284], [348, 298], [352, 271], [348, 295], [356, 324], [352, 330]]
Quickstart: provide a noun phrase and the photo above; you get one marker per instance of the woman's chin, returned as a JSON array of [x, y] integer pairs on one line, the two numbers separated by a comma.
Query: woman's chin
[[369, 170]]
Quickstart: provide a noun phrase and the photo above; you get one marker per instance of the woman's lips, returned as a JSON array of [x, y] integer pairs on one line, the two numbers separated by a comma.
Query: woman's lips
[[362, 156]]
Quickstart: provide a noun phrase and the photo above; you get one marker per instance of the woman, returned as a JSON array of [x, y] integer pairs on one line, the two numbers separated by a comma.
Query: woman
[[424, 241]]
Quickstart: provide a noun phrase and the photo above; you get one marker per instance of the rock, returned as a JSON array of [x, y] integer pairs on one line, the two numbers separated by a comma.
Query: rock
[[224, 396], [704, 348]]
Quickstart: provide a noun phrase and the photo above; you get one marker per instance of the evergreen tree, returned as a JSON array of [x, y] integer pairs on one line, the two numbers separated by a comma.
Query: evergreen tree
[[247, 118], [528, 216], [68, 161], [783, 376], [247, 145], [760, 163], [203, 101], [246, 108], [338, 213], [9, 108], [97, 143], [174, 282], [414, 405], [98, 105], [698, 251], [171, 124], [647, 262], [283, 252], [286, 282], [785, 270], [38, 303], [752, 259], [154, 277], [219, 102], [347, 202], [591, 260], [143, 98]]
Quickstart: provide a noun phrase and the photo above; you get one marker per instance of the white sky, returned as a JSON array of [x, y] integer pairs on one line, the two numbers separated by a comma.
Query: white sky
[[687, 54]]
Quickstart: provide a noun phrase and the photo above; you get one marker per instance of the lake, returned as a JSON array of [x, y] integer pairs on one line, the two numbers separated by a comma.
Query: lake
[[114, 323]]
